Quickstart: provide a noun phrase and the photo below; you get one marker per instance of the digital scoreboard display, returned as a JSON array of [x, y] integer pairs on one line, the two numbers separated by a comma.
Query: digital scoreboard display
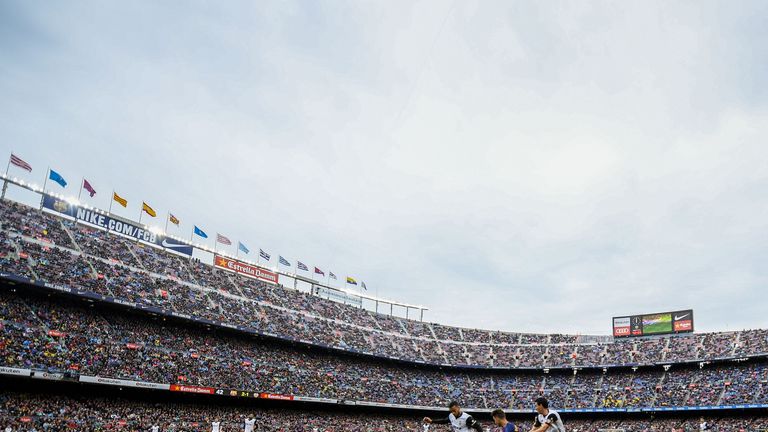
[[653, 324]]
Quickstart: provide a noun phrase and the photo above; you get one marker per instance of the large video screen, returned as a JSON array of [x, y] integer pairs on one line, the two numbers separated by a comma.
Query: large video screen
[[653, 324]]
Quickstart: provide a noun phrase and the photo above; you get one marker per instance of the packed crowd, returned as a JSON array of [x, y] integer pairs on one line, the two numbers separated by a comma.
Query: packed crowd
[[75, 337], [40, 246], [26, 412]]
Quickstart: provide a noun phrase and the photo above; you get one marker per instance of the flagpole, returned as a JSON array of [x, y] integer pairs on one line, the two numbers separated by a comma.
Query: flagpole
[[111, 201], [237, 252], [5, 183], [167, 216], [82, 183], [45, 183]]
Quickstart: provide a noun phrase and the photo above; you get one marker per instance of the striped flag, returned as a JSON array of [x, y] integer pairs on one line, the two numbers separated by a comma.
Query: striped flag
[[264, 254], [16, 161], [283, 261], [120, 200], [362, 284], [351, 280], [149, 210], [174, 220], [331, 275], [301, 266], [223, 240]]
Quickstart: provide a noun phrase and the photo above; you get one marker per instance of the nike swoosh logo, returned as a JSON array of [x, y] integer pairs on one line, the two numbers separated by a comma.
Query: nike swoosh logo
[[680, 317], [173, 245]]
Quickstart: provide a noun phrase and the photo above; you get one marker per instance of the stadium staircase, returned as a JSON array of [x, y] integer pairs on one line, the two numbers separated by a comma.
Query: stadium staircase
[[596, 394]]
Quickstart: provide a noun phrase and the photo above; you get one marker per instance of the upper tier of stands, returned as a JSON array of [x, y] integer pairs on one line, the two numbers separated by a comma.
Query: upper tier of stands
[[47, 248]]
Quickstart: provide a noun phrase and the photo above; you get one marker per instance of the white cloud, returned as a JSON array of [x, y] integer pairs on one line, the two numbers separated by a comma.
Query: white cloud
[[524, 166]]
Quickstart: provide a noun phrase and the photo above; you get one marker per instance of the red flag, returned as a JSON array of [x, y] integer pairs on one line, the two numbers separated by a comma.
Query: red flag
[[87, 186], [318, 271]]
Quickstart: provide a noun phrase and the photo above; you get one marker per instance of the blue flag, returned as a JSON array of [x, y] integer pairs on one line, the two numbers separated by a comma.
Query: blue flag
[[53, 175], [301, 266], [263, 254], [242, 247], [200, 232], [283, 261]]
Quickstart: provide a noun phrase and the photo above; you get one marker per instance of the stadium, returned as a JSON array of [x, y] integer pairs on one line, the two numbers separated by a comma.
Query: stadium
[[87, 309], [327, 216]]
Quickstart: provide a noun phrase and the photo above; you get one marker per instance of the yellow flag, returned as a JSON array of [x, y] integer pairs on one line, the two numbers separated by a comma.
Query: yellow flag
[[148, 209], [122, 201]]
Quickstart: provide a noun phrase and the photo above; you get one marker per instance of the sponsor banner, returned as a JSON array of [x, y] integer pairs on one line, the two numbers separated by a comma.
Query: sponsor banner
[[192, 389], [621, 326], [682, 321], [106, 222], [316, 399], [244, 269], [275, 396], [123, 383], [15, 371], [53, 376]]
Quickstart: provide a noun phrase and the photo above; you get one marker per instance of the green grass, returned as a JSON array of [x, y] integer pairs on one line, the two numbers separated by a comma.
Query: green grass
[[661, 323]]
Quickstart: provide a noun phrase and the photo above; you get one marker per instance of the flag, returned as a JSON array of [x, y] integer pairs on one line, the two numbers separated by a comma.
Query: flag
[[15, 160], [331, 275], [351, 281], [174, 220], [200, 232], [120, 200], [301, 266], [87, 186], [53, 175], [362, 284], [146, 208], [283, 261], [318, 271], [223, 240], [263, 254], [242, 247]]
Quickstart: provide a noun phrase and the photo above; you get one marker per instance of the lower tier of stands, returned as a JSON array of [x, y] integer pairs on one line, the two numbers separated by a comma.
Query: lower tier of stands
[[46, 412], [85, 340]]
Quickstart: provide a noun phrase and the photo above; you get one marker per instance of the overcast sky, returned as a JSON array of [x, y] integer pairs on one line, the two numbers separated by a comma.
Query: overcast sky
[[527, 166]]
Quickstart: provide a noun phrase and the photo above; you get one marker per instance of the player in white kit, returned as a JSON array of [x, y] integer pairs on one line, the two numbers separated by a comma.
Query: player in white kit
[[249, 424], [216, 426], [547, 420], [459, 421]]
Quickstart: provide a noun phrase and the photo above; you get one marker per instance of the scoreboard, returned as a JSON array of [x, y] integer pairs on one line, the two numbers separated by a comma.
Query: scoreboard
[[653, 324]]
